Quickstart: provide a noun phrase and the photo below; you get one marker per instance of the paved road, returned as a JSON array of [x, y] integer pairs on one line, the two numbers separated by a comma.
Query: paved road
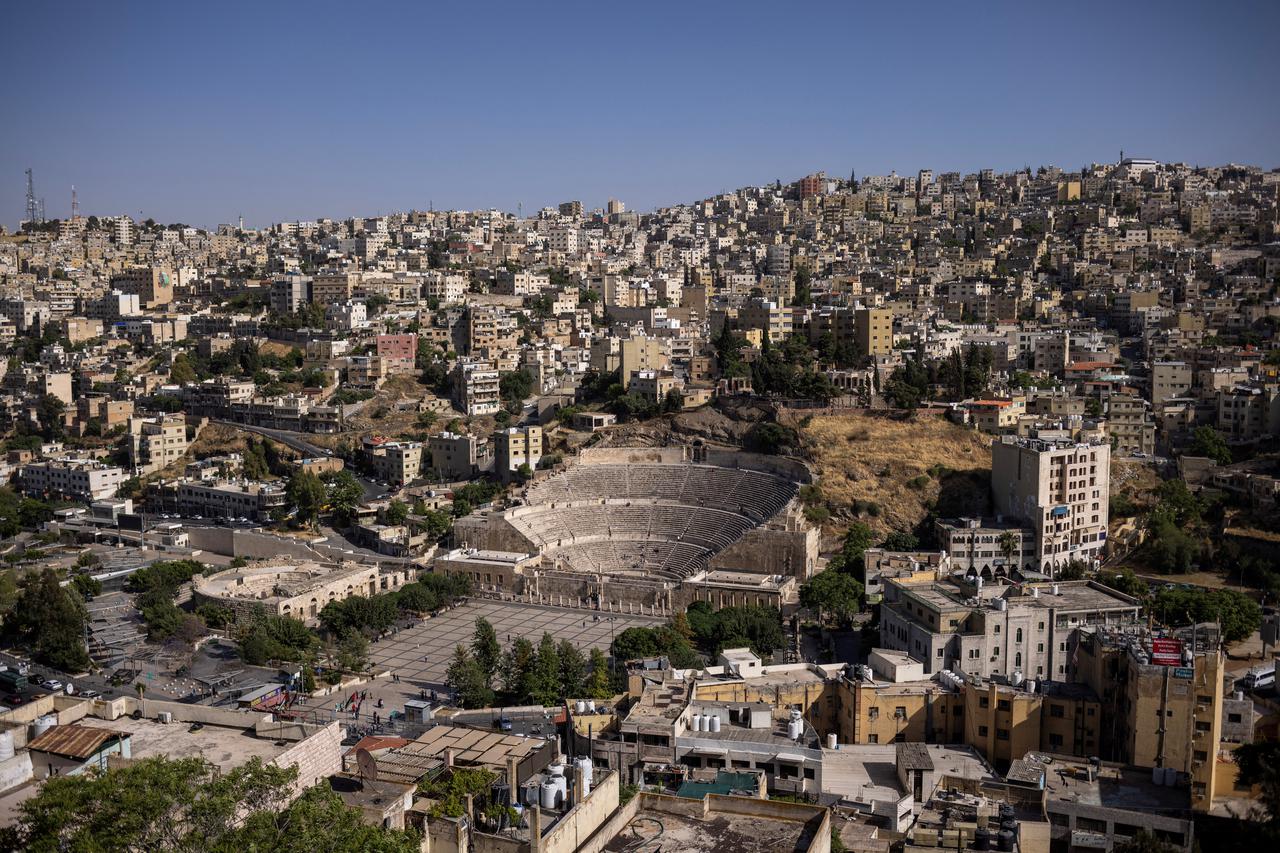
[[295, 440]]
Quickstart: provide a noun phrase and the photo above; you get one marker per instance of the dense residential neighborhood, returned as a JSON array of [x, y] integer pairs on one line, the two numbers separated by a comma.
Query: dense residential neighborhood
[[893, 511]]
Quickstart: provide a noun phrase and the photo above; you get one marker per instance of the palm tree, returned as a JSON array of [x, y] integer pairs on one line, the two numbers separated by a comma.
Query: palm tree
[[142, 691], [1008, 544]]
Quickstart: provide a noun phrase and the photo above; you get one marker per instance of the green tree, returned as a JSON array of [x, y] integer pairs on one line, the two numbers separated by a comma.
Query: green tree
[[467, 680], [573, 670], [517, 670], [397, 512], [899, 541], [188, 805], [832, 592], [307, 495], [485, 649], [546, 672], [1207, 441], [857, 539], [598, 684], [52, 621], [181, 372], [1238, 614]]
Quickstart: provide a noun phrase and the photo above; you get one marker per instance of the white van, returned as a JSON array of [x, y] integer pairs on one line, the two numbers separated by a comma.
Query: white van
[[1262, 678]]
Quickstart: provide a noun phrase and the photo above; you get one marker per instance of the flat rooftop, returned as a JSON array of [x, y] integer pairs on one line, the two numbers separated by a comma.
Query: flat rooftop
[[221, 745], [1114, 787], [715, 833]]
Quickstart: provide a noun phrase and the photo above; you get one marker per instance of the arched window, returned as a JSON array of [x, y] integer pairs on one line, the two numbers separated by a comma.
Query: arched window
[[1019, 635], [1017, 659]]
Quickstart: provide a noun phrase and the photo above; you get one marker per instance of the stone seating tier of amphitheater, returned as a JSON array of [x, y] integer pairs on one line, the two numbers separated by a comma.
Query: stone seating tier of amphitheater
[[751, 493], [662, 520]]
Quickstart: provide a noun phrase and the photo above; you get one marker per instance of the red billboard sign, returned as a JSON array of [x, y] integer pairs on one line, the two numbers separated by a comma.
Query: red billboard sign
[[1166, 651]]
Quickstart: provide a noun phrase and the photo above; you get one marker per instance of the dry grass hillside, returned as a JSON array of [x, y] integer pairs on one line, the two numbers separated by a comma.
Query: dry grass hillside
[[891, 470]]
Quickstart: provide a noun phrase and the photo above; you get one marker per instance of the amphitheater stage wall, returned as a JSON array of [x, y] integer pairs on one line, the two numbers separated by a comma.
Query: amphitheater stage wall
[[780, 466], [490, 533], [634, 455], [583, 589], [767, 551]]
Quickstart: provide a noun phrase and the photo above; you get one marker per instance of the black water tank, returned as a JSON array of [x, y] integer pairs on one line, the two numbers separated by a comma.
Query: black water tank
[[1006, 841], [982, 839]]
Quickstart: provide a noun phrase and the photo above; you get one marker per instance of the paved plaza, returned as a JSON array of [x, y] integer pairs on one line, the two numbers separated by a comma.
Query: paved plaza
[[420, 655]]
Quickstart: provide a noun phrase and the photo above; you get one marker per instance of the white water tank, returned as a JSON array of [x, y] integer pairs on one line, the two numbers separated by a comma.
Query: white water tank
[[6, 746], [715, 723], [531, 793], [548, 794], [1035, 592], [580, 707], [1031, 685], [562, 789], [1055, 590], [832, 741], [556, 769], [43, 724], [588, 774], [591, 705], [696, 723], [1016, 678], [1002, 604], [1157, 775]]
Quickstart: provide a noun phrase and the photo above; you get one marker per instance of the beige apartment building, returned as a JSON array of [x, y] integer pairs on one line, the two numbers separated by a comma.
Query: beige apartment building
[[514, 447], [1060, 489], [1169, 379], [153, 287], [156, 442], [873, 331]]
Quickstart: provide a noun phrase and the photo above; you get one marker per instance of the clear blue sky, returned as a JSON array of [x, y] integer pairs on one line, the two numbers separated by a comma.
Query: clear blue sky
[[199, 112]]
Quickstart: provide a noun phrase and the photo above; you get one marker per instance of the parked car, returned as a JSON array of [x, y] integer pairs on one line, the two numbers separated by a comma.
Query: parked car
[[90, 694], [14, 700], [52, 684]]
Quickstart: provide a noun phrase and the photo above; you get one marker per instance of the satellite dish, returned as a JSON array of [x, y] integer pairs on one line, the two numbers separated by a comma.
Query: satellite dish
[[367, 765]]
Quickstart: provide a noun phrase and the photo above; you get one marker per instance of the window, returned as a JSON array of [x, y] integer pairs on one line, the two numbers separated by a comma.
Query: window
[[1233, 718], [982, 731], [1018, 636], [1002, 734], [1055, 741], [873, 738], [1056, 710], [984, 702], [1004, 705], [874, 714]]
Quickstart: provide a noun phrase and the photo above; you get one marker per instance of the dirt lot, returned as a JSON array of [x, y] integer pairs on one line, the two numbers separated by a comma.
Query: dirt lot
[[905, 465]]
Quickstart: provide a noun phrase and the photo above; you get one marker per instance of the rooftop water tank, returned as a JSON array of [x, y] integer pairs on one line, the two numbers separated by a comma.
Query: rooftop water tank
[[588, 769], [832, 741], [6, 746], [591, 705], [1016, 678], [795, 728], [1005, 841], [531, 793], [696, 723], [556, 769], [580, 707], [715, 723], [43, 724], [981, 840], [548, 794]]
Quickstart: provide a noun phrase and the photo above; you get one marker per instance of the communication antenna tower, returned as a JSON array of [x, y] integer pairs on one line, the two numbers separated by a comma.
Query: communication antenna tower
[[75, 205], [31, 198]]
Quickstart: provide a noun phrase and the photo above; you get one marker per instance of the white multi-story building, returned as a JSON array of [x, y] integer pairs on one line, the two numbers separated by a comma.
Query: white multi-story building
[[81, 479], [1060, 489]]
